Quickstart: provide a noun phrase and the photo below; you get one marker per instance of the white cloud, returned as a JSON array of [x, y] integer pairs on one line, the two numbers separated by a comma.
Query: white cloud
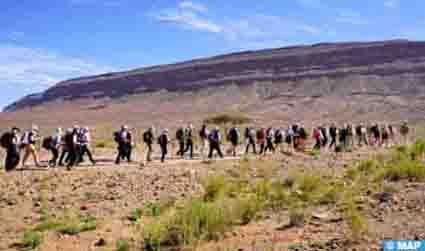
[[189, 5], [15, 36], [245, 31], [189, 15], [351, 17], [188, 19], [36, 69], [392, 4]]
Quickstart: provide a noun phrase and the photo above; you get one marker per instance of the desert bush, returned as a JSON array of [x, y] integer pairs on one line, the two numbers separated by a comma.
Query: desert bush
[[75, 226], [135, 215], [31, 240], [297, 217], [356, 220], [228, 118], [122, 245], [215, 186]]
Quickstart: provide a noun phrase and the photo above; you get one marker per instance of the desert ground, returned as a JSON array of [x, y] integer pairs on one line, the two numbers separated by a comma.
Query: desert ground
[[284, 201]]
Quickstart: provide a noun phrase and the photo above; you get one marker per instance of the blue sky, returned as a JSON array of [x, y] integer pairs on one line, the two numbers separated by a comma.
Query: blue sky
[[43, 42]]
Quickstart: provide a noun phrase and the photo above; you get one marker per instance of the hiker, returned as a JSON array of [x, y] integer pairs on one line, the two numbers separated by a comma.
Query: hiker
[[296, 135], [302, 138], [317, 136], [124, 139], [189, 141], [269, 141], [278, 139], [361, 134], [163, 141], [250, 140], [233, 137], [376, 135], [261, 139], [289, 138], [391, 131], [65, 151], [215, 139], [404, 133], [11, 142], [203, 135], [350, 135], [71, 142], [180, 136], [83, 143], [343, 137], [324, 132], [53, 144], [333, 133], [385, 136], [28, 144], [148, 138]]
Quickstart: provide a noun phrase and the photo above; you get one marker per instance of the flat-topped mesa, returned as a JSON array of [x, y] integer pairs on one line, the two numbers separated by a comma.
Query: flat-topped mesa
[[333, 60]]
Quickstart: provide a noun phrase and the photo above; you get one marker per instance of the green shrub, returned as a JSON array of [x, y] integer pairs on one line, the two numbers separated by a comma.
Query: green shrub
[[122, 245], [297, 217], [135, 215], [228, 118], [74, 227], [32, 240], [356, 221], [215, 187]]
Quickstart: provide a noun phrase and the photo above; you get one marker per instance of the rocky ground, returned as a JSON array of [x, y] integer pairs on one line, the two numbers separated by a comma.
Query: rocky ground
[[112, 194]]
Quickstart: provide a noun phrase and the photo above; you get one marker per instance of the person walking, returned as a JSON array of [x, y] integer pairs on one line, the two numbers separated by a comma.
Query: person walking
[[261, 139], [163, 141], [233, 136], [278, 139], [181, 139], [289, 139], [124, 139], [404, 132], [84, 140], [189, 141], [11, 142], [215, 140], [148, 139], [317, 136], [203, 135], [53, 145], [333, 133], [269, 140], [250, 140], [28, 144]]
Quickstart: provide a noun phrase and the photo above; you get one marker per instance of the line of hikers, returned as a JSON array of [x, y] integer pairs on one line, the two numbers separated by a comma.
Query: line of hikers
[[75, 142]]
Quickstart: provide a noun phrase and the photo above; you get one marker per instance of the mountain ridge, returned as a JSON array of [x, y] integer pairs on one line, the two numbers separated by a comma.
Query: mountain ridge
[[285, 63]]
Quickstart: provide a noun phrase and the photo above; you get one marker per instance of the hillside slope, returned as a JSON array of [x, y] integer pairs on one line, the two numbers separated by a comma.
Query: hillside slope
[[349, 80]]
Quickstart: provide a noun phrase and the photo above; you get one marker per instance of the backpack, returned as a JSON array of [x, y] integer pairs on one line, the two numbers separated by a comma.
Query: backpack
[[359, 130], [404, 129], [162, 139], [147, 137], [117, 137], [47, 143], [203, 133], [214, 136], [179, 134], [6, 139], [233, 134], [260, 134]]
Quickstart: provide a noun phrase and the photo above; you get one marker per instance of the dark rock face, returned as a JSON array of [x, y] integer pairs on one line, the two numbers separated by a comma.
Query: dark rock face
[[387, 60]]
